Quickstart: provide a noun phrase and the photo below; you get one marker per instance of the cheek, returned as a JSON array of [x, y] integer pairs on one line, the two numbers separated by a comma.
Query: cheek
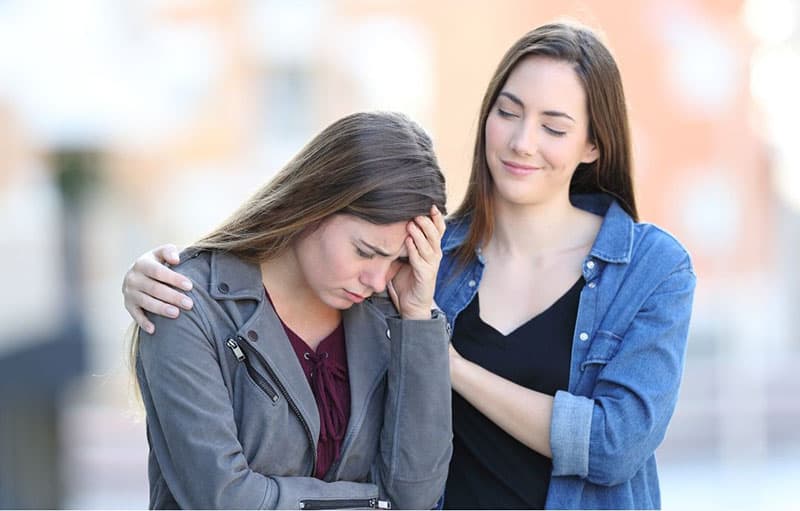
[[494, 133], [393, 269]]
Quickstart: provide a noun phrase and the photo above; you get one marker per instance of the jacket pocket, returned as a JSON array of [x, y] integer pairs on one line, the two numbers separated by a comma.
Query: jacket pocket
[[344, 504]]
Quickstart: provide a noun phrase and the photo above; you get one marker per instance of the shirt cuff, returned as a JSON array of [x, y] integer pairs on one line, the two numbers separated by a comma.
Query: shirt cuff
[[570, 429]]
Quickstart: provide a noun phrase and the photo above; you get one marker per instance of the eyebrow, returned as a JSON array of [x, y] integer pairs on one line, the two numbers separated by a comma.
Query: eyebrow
[[402, 259], [550, 113]]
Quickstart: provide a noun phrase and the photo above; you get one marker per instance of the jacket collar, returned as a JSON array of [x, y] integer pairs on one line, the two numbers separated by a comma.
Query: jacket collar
[[234, 278], [614, 242], [364, 324]]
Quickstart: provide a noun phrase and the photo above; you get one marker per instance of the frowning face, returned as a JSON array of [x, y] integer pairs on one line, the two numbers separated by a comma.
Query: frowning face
[[347, 259]]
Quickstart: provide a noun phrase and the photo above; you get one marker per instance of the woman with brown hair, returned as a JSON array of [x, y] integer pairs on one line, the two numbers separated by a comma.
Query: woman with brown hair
[[294, 382], [569, 316]]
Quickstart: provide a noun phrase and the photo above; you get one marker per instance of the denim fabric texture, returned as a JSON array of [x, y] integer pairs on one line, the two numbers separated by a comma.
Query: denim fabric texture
[[627, 360]]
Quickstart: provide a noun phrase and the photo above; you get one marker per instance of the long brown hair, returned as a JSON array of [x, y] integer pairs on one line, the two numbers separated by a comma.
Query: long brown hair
[[611, 173], [378, 166]]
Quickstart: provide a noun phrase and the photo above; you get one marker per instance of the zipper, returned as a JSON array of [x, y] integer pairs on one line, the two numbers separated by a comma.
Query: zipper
[[244, 344], [345, 503], [259, 380]]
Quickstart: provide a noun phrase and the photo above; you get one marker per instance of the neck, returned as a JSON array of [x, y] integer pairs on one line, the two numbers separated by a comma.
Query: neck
[[294, 300], [531, 231]]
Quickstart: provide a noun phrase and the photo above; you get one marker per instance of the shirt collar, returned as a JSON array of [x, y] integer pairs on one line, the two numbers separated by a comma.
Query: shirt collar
[[614, 242]]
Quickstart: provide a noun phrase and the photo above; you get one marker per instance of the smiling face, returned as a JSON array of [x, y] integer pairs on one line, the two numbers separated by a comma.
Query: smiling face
[[347, 259], [537, 132]]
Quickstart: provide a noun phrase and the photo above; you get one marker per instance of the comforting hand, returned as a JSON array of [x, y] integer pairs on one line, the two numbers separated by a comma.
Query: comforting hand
[[146, 287], [412, 287]]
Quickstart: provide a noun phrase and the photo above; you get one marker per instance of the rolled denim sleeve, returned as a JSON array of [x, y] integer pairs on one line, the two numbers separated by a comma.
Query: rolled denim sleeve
[[570, 430], [608, 436]]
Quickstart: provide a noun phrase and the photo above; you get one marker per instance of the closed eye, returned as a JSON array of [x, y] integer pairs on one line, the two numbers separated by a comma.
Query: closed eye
[[554, 132], [506, 113], [365, 255]]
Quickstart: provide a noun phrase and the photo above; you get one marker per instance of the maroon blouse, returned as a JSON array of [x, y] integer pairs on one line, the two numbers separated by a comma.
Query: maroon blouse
[[326, 371]]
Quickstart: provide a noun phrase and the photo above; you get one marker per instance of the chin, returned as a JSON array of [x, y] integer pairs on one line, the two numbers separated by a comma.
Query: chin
[[339, 303]]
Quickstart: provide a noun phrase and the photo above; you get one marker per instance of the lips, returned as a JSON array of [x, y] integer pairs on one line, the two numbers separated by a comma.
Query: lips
[[355, 298], [518, 169]]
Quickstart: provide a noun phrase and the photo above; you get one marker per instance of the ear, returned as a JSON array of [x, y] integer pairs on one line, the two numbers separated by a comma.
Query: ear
[[590, 154]]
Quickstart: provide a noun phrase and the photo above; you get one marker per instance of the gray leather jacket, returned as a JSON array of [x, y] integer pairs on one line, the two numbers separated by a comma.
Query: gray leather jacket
[[232, 422]]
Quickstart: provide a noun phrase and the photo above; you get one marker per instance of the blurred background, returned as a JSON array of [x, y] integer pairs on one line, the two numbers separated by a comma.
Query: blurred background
[[125, 124]]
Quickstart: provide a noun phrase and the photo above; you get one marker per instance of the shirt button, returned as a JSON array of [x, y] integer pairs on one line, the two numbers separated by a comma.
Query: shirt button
[[388, 333], [252, 335], [592, 285], [472, 283], [583, 336], [590, 264], [223, 288]]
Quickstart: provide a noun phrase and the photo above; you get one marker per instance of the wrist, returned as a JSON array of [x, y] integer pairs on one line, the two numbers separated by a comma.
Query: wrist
[[417, 315]]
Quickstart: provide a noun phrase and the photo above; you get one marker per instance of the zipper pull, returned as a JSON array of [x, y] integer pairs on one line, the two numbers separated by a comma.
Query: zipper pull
[[383, 504], [234, 346]]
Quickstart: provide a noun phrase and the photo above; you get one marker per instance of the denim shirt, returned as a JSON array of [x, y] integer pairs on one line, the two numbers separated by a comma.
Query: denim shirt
[[627, 357]]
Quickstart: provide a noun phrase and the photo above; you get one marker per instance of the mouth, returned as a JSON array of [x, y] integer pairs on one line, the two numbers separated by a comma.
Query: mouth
[[519, 169], [353, 297]]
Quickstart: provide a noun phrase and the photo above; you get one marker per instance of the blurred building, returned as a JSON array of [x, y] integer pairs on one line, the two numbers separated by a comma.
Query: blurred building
[[179, 109]]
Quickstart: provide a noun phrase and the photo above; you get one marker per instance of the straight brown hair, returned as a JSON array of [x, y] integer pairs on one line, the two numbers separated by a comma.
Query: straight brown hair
[[611, 173], [377, 166]]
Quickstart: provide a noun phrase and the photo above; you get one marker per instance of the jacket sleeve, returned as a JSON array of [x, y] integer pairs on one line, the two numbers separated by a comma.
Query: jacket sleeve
[[416, 440], [607, 437], [193, 434]]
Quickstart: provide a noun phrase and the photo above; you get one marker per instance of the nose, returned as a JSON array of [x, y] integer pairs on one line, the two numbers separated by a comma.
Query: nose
[[376, 277], [523, 141]]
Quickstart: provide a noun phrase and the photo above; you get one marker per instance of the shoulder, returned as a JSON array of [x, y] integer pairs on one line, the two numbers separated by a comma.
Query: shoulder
[[194, 263], [658, 249], [455, 233]]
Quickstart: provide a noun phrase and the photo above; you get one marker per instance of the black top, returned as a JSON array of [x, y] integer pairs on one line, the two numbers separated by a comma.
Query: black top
[[489, 468]]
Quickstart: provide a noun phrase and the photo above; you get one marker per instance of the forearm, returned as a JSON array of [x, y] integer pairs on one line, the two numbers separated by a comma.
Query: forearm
[[416, 440], [522, 413]]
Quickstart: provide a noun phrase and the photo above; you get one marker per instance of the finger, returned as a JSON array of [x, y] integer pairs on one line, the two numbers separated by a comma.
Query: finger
[[154, 270], [414, 257], [150, 304], [421, 242], [142, 321], [166, 294], [432, 233], [167, 254], [393, 295], [438, 220]]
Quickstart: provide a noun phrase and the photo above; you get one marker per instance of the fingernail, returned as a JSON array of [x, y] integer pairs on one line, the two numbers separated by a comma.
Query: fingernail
[[186, 303], [149, 329], [174, 255], [186, 285], [172, 311]]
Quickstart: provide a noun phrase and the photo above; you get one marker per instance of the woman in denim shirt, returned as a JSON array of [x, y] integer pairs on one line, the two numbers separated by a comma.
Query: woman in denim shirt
[[547, 242], [569, 317]]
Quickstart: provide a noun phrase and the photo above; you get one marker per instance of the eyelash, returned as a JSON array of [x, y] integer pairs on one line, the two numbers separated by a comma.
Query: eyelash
[[509, 115], [363, 254], [505, 114], [553, 132]]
